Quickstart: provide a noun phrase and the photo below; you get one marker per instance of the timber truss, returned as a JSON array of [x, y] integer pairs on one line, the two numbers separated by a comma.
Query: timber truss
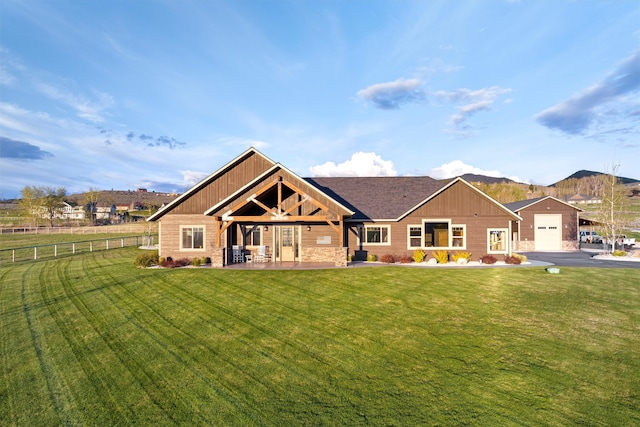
[[274, 211]]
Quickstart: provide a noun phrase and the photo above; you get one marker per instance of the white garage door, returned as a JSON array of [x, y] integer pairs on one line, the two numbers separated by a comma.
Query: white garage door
[[548, 232]]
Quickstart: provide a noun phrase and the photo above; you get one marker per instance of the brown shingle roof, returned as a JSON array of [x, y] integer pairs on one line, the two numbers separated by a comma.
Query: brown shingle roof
[[382, 197]]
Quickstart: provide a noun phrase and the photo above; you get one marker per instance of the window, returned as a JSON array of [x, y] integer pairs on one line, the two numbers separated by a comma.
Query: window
[[192, 238], [497, 240], [376, 235], [436, 234], [253, 236], [415, 236], [459, 236]]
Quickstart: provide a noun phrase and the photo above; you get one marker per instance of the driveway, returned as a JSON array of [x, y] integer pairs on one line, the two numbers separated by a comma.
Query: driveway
[[579, 259]]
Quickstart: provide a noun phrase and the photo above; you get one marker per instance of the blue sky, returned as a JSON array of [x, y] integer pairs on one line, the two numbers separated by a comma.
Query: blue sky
[[158, 94]]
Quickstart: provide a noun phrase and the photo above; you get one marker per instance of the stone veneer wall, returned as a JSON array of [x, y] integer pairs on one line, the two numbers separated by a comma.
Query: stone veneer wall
[[217, 257], [530, 245], [325, 254]]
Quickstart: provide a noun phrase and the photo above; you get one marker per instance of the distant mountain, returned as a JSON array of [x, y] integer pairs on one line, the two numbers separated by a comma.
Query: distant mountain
[[585, 174]]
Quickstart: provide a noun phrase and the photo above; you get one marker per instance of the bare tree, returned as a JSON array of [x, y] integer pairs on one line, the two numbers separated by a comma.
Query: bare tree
[[612, 211], [91, 198]]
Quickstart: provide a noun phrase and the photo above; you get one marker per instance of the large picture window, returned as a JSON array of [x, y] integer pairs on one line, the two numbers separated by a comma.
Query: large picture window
[[375, 235], [497, 239], [192, 238], [436, 234]]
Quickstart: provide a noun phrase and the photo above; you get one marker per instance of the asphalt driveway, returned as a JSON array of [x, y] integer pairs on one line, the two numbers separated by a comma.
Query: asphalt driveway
[[579, 259]]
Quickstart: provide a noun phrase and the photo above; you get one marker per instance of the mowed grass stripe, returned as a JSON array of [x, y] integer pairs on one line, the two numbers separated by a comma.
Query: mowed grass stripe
[[345, 346], [160, 366], [184, 343]]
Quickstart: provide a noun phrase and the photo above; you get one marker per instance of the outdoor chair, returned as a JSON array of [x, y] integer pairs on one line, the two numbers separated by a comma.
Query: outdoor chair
[[237, 254]]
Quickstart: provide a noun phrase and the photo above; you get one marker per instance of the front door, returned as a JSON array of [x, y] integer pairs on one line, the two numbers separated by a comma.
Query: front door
[[287, 241]]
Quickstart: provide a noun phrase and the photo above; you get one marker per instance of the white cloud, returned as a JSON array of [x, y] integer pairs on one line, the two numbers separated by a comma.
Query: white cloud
[[191, 178], [92, 110], [470, 101], [360, 164], [458, 167]]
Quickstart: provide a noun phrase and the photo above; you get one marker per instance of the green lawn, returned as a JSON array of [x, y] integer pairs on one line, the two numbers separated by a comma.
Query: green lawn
[[91, 340]]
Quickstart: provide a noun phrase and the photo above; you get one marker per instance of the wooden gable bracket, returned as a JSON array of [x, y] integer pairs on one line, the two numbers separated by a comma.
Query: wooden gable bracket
[[277, 213]]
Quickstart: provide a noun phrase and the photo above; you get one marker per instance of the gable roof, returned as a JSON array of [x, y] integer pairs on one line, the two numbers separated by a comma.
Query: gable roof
[[203, 183], [379, 197], [523, 204], [261, 177], [390, 198]]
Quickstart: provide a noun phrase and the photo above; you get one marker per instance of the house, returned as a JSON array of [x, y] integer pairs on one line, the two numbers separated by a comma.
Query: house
[[547, 224], [583, 199], [254, 204]]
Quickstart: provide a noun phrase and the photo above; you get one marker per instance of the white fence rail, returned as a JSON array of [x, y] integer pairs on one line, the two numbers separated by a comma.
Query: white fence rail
[[54, 250], [107, 229]]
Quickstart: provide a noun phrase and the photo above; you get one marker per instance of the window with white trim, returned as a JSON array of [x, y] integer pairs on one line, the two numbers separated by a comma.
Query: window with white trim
[[415, 236], [192, 237], [376, 235], [497, 240], [459, 236]]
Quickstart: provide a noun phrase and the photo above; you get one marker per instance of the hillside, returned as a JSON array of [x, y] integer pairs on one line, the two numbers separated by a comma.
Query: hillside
[[128, 198], [586, 174]]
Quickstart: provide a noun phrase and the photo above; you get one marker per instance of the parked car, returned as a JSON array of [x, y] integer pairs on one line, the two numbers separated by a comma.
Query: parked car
[[589, 237], [623, 241]]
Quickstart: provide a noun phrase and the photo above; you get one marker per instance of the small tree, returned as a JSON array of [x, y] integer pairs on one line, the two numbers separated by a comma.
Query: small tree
[[611, 213], [41, 202]]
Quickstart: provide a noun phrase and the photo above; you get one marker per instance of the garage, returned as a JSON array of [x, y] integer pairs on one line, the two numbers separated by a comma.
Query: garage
[[548, 232]]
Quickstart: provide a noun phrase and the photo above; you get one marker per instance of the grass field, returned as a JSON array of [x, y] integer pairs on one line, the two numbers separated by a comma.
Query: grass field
[[91, 340]]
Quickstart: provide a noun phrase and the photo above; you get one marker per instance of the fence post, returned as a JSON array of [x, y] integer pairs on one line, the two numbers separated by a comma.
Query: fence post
[[55, 250], [91, 246], [107, 245], [73, 247], [35, 252], [122, 242], [13, 256]]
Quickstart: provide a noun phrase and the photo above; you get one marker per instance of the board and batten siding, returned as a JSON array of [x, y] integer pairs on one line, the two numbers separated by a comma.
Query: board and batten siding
[[225, 184], [458, 203]]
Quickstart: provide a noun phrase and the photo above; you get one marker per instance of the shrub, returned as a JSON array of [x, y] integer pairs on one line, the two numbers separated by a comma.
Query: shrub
[[166, 262], [372, 257], [510, 259], [388, 258], [182, 262], [146, 259], [196, 262], [488, 259], [522, 258], [619, 253], [458, 255], [406, 259], [441, 256], [419, 255]]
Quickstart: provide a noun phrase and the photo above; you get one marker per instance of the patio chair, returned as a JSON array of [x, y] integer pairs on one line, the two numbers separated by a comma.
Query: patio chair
[[237, 254], [263, 254]]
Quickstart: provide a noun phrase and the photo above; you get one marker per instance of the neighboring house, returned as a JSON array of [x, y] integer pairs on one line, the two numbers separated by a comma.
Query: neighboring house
[[253, 203], [66, 211], [547, 224], [583, 199], [104, 211]]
